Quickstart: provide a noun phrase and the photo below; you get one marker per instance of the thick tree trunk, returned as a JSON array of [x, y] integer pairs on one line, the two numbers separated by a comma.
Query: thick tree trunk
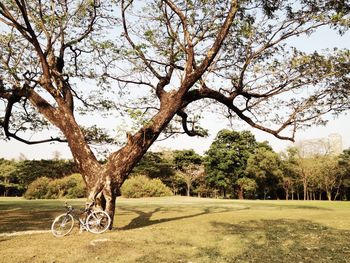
[[103, 189], [106, 199], [104, 181]]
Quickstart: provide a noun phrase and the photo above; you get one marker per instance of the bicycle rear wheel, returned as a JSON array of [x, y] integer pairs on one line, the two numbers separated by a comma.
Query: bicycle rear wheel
[[62, 225], [98, 222]]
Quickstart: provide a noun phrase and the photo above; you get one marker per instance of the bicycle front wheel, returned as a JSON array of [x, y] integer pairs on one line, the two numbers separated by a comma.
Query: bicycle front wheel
[[62, 225], [98, 222]]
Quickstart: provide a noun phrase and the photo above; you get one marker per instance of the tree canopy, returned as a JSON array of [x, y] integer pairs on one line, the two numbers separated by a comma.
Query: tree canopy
[[265, 167], [226, 159], [235, 53]]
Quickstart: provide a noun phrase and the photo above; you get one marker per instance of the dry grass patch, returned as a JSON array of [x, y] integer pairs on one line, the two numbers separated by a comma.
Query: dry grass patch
[[187, 230]]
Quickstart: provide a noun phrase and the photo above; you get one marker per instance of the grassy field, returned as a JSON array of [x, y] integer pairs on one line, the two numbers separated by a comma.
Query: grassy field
[[182, 230]]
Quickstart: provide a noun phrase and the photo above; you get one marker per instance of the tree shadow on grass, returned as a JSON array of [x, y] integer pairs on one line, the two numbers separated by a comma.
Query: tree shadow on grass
[[143, 219], [13, 221], [285, 240], [25, 215], [308, 207]]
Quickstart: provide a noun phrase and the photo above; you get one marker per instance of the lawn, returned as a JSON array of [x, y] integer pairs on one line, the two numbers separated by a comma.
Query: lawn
[[180, 229]]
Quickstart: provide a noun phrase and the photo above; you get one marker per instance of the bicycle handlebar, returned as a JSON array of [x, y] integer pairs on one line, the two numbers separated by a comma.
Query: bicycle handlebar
[[69, 207], [88, 206]]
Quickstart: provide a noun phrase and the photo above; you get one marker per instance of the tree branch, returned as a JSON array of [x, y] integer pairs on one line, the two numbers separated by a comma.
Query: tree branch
[[206, 92], [189, 45], [224, 30], [14, 98], [191, 132], [131, 42]]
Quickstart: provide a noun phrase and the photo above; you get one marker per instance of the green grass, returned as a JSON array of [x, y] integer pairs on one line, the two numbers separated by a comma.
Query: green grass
[[180, 229]]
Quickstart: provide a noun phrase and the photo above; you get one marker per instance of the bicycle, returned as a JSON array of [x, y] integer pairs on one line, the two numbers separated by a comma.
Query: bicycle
[[94, 221]]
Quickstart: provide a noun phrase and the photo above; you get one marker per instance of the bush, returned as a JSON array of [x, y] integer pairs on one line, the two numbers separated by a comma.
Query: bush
[[141, 186], [77, 187], [72, 186], [38, 188]]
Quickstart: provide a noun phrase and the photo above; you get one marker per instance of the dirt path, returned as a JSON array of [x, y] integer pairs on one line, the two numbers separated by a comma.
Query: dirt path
[[22, 233]]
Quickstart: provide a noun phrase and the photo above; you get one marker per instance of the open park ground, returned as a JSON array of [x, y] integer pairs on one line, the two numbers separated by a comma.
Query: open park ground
[[182, 230]]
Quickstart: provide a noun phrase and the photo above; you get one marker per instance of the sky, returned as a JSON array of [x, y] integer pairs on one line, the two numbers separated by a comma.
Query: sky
[[15, 150], [341, 126], [323, 39]]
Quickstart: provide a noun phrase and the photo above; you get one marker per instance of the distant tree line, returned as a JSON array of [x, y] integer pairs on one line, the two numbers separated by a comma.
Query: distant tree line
[[235, 166], [17, 175]]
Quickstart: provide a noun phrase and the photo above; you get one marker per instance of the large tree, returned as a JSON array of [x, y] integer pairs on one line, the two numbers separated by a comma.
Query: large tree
[[159, 60], [226, 159], [331, 176], [265, 166], [290, 170]]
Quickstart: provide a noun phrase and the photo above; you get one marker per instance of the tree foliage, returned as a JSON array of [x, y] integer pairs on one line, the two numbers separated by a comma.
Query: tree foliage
[[237, 53], [16, 176], [331, 176], [265, 166], [247, 187], [227, 157], [189, 168], [184, 158], [8, 178], [322, 175], [155, 165], [29, 170]]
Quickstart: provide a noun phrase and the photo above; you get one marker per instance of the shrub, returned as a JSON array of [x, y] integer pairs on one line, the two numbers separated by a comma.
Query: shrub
[[77, 187], [55, 189], [141, 186], [38, 188], [72, 186]]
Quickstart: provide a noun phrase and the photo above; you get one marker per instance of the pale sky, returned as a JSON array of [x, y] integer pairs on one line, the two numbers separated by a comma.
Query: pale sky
[[340, 125], [321, 40], [13, 149]]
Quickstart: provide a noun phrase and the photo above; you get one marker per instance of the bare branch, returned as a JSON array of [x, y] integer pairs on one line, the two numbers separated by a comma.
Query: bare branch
[[14, 98], [131, 42], [189, 45], [228, 102], [191, 132], [224, 30]]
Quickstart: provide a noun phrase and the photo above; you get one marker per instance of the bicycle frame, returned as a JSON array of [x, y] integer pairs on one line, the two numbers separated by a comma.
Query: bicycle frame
[[86, 212]]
